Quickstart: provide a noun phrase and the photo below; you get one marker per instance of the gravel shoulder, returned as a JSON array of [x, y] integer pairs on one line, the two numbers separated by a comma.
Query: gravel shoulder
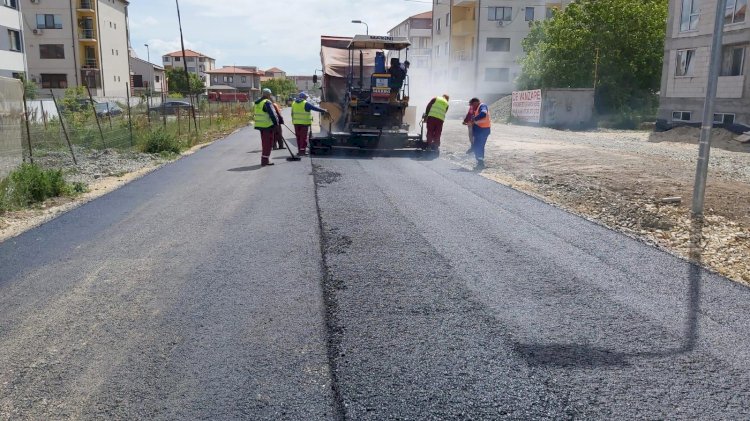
[[620, 179]]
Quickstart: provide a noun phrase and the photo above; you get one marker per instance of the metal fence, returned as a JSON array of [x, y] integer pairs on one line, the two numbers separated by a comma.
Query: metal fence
[[11, 122], [78, 120]]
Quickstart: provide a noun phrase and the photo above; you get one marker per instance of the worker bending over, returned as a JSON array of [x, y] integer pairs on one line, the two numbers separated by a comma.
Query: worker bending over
[[481, 124], [266, 122], [434, 116], [278, 140], [302, 120]]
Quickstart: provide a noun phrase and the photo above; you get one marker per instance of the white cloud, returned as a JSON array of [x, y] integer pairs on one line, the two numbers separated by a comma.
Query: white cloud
[[284, 34]]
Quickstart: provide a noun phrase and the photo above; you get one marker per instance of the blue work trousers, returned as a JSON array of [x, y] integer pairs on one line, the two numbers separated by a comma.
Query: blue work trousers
[[480, 140]]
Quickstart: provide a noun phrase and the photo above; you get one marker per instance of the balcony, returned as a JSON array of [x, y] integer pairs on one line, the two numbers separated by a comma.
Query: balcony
[[90, 63], [86, 6], [464, 28], [88, 35], [464, 2], [91, 78], [462, 56]]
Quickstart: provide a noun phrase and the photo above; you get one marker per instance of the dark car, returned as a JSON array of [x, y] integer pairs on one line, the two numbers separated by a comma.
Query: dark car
[[104, 109], [171, 107]]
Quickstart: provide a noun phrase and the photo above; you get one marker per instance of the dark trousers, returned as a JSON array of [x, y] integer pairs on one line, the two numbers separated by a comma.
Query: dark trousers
[[278, 141], [480, 140], [434, 131], [267, 137], [301, 132]]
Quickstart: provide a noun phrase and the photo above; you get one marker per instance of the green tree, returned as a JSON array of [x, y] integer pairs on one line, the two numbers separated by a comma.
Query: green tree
[[178, 83], [281, 88], [629, 37]]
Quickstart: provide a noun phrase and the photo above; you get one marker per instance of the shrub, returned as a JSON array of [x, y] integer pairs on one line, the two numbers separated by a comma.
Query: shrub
[[31, 184], [159, 141]]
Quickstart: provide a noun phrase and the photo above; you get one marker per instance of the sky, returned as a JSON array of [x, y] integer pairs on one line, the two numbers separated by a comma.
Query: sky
[[264, 33]]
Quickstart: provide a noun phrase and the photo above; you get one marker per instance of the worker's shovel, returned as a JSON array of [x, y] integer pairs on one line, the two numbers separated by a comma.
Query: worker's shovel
[[291, 154]]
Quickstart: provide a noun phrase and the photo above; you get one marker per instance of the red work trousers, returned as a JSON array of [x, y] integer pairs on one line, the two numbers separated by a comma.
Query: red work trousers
[[434, 131], [301, 131], [266, 139]]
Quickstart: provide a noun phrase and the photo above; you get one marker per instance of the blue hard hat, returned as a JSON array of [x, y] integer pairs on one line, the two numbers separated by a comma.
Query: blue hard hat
[[302, 95]]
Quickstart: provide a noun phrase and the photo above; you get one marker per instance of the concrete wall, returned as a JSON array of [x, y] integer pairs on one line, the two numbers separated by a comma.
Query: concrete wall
[[568, 108], [11, 121], [113, 41]]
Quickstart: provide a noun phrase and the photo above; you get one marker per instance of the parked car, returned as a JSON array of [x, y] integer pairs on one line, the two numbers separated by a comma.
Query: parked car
[[104, 109], [170, 107]]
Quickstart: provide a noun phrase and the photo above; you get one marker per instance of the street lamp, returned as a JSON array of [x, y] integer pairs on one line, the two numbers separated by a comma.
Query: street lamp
[[367, 28], [151, 73]]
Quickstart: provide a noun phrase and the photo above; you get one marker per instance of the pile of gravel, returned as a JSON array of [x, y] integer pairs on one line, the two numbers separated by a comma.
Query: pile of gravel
[[94, 164], [500, 110]]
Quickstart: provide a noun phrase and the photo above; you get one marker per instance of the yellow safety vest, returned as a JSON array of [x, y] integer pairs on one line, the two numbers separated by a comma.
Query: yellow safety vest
[[262, 119], [299, 115], [439, 108]]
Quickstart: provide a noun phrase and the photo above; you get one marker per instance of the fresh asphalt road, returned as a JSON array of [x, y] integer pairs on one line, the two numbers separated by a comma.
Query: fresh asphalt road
[[357, 287]]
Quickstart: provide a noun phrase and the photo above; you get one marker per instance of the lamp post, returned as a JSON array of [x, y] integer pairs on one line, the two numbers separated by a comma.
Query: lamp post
[[151, 73], [367, 28]]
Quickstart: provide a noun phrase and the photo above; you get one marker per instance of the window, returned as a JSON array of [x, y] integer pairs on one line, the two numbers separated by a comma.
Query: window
[[498, 44], [549, 12], [190, 59], [447, 20], [735, 12], [15, 40], [52, 51], [529, 14], [48, 22], [13, 4], [243, 79], [438, 25], [437, 51], [500, 13], [157, 78], [215, 79], [178, 58], [684, 63], [495, 74], [721, 118], [54, 81], [681, 115], [228, 79], [690, 15], [732, 61]]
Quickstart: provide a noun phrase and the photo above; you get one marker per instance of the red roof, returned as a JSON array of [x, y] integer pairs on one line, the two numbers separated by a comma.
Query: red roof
[[233, 70], [188, 53], [425, 15], [275, 70]]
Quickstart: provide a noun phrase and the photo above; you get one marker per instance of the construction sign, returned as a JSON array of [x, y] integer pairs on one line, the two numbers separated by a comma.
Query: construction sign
[[527, 106]]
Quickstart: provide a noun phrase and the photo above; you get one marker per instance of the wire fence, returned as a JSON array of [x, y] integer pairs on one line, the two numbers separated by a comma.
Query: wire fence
[[77, 120], [11, 122]]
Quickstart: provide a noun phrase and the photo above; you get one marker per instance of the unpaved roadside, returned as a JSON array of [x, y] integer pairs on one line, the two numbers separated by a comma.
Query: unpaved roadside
[[620, 179]]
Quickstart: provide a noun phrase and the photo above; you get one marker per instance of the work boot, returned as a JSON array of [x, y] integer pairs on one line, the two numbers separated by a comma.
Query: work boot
[[480, 165], [469, 151], [267, 164]]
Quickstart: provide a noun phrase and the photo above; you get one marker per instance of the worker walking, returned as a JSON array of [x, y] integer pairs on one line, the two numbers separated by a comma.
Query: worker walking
[[302, 120], [434, 116], [481, 124], [266, 121], [278, 141]]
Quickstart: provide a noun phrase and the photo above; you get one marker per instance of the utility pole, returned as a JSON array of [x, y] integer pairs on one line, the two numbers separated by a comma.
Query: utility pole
[[596, 68], [184, 62], [701, 172]]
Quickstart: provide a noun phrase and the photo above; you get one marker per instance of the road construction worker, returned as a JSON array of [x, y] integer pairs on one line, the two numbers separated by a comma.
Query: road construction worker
[[266, 122], [302, 120], [434, 116], [278, 141], [469, 122], [481, 124]]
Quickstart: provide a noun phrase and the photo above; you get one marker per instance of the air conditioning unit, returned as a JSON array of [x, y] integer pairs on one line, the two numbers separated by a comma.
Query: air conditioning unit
[[501, 23], [38, 31]]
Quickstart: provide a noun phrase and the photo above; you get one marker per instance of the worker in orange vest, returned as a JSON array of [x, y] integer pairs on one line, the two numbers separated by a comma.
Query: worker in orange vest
[[278, 142], [481, 124]]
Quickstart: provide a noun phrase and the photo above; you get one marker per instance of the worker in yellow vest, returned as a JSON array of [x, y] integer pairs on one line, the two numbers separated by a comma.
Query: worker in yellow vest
[[434, 116], [302, 120], [266, 122], [481, 124]]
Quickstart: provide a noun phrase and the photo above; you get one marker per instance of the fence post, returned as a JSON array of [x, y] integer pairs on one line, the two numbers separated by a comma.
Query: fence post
[[28, 129], [179, 129], [44, 114], [96, 116], [130, 118], [163, 109], [62, 124]]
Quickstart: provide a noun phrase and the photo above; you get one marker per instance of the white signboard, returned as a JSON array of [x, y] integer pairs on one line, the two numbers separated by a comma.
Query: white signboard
[[527, 106]]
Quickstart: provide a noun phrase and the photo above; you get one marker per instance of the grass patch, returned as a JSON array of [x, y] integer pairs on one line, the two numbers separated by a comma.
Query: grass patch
[[30, 184], [159, 141]]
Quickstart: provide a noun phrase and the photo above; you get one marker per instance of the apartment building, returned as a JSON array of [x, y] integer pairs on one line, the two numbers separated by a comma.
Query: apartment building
[[305, 84], [418, 29], [243, 78], [78, 43], [12, 60], [476, 44], [686, 61], [197, 63]]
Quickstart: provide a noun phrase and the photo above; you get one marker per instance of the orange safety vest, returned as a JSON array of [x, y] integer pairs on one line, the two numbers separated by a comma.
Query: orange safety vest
[[485, 122]]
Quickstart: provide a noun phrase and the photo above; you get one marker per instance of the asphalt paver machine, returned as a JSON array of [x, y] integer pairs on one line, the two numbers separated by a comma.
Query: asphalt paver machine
[[368, 103]]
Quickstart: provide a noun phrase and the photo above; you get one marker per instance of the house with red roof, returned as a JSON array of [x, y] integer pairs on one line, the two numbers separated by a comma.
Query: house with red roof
[[197, 63]]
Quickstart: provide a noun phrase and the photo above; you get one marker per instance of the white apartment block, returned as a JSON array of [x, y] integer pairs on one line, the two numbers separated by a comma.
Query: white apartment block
[[197, 64], [476, 44], [686, 61], [418, 29], [78, 43], [12, 60]]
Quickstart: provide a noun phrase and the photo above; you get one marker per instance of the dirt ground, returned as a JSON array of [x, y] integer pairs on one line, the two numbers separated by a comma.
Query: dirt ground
[[622, 178]]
